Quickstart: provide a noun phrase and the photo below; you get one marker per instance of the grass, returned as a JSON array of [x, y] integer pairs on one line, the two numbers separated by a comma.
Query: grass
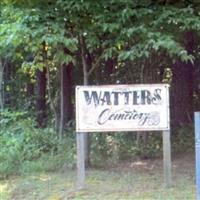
[[129, 180]]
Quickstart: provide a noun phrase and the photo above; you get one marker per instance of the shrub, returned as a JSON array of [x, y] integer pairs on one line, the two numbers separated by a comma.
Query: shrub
[[23, 146], [183, 139], [118, 146]]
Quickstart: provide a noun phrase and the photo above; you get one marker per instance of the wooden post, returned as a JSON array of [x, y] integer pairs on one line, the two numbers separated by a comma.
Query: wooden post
[[197, 151], [167, 158], [80, 161]]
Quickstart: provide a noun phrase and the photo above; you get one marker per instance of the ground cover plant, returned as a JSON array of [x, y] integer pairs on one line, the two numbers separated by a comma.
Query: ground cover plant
[[137, 179]]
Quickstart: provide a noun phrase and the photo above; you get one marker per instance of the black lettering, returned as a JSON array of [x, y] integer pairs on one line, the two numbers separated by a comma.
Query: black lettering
[[111, 117], [93, 96], [143, 119], [128, 115], [106, 98], [135, 98], [126, 97], [120, 116], [116, 97], [157, 97], [145, 97], [103, 117]]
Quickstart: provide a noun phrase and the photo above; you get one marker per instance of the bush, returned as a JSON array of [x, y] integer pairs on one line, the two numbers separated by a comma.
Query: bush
[[183, 139], [113, 147], [118, 146], [24, 146]]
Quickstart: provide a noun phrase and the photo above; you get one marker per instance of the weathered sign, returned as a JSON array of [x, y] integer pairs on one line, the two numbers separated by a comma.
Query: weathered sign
[[122, 108]]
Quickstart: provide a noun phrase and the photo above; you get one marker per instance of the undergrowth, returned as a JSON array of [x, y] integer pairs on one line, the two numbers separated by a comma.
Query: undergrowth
[[27, 149]]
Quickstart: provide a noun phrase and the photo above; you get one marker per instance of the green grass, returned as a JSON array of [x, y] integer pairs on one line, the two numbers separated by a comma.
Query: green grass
[[132, 180]]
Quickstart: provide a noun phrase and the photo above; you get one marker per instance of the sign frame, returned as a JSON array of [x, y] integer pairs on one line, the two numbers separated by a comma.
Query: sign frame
[[165, 135]]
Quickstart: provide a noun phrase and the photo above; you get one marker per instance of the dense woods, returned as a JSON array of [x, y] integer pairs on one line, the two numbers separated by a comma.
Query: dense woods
[[49, 47]]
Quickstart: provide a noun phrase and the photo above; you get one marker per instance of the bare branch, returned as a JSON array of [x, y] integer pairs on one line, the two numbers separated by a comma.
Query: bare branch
[[96, 64]]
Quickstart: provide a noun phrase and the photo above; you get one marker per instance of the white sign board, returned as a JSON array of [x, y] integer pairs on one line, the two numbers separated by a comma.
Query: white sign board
[[122, 108]]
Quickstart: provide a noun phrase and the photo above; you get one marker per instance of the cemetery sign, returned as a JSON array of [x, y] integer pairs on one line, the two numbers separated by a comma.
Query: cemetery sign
[[122, 108]]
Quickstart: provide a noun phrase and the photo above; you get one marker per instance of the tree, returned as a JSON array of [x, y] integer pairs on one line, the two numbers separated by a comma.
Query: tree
[[1, 85], [66, 94], [182, 85], [41, 97], [128, 39]]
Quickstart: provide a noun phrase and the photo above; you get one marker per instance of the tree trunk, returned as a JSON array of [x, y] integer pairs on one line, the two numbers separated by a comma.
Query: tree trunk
[[182, 94], [30, 94], [1, 85], [108, 70], [65, 95], [98, 77], [9, 75], [182, 87], [41, 98], [52, 101], [29, 89]]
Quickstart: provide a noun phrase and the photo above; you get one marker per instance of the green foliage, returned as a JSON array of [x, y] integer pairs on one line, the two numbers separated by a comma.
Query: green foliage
[[132, 27], [35, 34], [26, 148], [119, 146], [183, 139]]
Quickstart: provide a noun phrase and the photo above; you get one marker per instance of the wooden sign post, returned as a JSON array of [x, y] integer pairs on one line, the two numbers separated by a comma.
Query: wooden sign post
[[197, 151], [80, 160], [167, 158], [122, 108]]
